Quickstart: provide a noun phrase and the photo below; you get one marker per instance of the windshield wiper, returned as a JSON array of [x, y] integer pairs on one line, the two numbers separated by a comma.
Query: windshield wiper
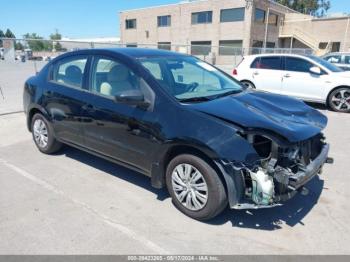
[[226, 94], [195, 99]]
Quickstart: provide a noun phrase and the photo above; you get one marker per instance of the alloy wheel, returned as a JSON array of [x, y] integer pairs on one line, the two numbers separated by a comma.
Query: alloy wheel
[[40, 133], [341, 100], [189, 186]]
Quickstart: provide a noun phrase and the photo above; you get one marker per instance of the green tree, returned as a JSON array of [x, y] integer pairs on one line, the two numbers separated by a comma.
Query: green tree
[[56, 37], [9, 34], [1, 35], [36, 42], [312, 7], [19, 46]]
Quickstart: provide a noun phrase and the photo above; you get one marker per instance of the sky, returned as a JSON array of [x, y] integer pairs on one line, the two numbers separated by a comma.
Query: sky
[[81, 18]]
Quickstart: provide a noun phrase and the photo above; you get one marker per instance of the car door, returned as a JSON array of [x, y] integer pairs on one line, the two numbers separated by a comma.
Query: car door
[[62, 97], [298, 81], [117, 130], [267, 73]]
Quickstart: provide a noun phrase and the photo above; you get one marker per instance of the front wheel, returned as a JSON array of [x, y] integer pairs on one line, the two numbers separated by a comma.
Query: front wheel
[[339, 100], [195, 187]]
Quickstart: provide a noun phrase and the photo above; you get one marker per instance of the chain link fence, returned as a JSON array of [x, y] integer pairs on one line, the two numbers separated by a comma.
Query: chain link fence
[[22, 58]]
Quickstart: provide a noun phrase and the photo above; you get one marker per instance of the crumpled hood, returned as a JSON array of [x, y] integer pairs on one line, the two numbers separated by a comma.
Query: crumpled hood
[[286, 116]]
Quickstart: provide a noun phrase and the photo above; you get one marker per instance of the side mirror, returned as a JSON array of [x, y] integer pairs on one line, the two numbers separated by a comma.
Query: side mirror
[[132, 97], [315, 70]]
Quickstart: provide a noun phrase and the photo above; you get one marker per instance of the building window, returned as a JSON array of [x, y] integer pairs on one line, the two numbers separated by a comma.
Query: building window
[[202, 17], [259, 15], [200, 47], [164, 21], [273, 19], [164, 45], [230, 47], [130, 23], [232, 15], [131, 45]]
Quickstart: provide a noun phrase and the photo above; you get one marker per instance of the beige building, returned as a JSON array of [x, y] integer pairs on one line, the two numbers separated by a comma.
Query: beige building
[[223, 27]]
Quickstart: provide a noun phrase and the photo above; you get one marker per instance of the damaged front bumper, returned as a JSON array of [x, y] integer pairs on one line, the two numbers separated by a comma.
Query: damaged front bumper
[[262, 192]]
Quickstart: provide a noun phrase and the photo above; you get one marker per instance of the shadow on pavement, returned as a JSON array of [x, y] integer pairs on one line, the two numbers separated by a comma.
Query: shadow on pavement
[[114, 170], [292, 213]]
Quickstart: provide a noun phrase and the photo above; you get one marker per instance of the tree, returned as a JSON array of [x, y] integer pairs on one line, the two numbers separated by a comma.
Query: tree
[[9, 34], [312, 7], [55, 44], [36, 42], [1, 35], [19, 46]]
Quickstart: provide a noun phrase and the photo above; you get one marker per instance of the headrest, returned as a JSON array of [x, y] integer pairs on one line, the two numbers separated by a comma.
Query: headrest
[[118, 73], [73, 72]]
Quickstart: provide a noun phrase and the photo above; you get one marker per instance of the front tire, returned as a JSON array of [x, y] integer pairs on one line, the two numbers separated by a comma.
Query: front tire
[[339, 100], [248, 84], [195, 187], [43, 135]]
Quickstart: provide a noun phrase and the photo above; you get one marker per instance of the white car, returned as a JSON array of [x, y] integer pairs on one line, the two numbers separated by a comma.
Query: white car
[[309, 78]]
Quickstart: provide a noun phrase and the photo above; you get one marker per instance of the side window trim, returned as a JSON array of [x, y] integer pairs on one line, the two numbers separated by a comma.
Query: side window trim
[[54, 67]]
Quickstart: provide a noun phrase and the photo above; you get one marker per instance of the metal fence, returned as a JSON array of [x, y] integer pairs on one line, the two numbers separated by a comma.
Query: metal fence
[[44, 50], [22, 58]]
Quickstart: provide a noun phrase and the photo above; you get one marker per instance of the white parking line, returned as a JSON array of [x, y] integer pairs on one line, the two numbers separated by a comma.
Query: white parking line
[[123, 229]]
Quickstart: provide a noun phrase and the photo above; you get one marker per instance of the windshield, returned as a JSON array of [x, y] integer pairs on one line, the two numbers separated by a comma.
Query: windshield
[[190, 79], [326, 64]]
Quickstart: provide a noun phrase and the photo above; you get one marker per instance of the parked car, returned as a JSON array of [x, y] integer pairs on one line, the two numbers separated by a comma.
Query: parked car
[[341, 60], [180, 121], [309, 78]]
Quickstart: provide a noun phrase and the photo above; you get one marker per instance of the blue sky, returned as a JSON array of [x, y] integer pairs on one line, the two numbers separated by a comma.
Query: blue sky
[[80, 18]]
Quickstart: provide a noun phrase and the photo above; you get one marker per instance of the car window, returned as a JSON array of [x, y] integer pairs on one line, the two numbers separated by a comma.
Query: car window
[[347, 59], [154, 69], [70, 71], [272, 63], [192, 73], [335, 59], [110, 77], [298, 65]]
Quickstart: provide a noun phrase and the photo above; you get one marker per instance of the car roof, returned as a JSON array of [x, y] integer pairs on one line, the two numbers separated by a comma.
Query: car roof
[[130, 52], [280, 54]]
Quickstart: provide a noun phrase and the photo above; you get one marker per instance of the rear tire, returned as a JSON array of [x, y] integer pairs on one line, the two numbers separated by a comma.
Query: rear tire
[[202, 190], [43, 135], [339, 100], [248, 84]]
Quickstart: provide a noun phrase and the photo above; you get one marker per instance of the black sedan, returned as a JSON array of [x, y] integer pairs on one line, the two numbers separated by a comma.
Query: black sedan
[[182, 122]]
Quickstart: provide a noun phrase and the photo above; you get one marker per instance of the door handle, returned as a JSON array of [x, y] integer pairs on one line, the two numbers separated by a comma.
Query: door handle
[[287, 75], [256, 73], [48, 93], [88, 107]]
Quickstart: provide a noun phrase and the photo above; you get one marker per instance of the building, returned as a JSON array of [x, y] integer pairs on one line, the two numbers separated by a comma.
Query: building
[[222, 27]]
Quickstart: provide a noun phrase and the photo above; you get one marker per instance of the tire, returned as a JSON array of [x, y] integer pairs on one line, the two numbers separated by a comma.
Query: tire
[[216, 198], [339, 100], [43, 135], [248, 84]]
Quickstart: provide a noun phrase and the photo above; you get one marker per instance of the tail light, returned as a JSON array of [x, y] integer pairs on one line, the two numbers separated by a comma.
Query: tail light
[[234, 72]]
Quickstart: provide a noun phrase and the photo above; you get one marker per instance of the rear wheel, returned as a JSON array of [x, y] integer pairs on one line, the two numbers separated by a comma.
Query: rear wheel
[[43, 135], [248, 84], [339, 100], [195, 187]]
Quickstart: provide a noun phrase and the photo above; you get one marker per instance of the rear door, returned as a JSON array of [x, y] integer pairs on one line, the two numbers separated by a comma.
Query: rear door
[[62, 97], [267, 73], [299, 82]]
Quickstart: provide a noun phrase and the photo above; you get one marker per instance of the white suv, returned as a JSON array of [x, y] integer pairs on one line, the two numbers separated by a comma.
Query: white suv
[[309, 78]]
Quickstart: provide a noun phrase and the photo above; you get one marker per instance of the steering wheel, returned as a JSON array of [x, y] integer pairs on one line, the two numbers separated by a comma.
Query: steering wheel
[[192, 86]]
